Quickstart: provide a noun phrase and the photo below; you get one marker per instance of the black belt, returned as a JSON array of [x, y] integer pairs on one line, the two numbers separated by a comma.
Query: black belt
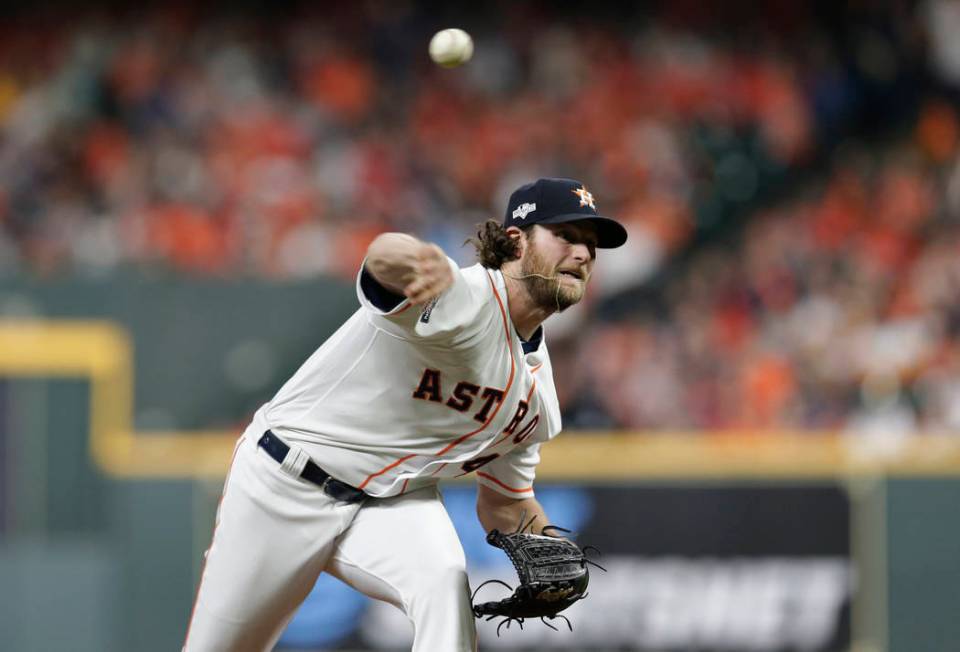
[[278, 449]]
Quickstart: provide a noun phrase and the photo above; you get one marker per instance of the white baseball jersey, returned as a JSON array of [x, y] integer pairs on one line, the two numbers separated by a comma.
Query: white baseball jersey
[[401, 395]]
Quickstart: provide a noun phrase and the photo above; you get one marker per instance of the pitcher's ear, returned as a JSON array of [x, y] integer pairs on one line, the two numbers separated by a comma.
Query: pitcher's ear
[[519, 239]]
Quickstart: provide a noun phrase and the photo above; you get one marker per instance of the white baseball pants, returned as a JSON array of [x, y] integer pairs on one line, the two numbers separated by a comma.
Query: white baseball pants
[[275, 533]]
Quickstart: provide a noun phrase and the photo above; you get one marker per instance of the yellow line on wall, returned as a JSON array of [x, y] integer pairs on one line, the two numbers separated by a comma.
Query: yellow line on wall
[[102, 352], [739, 454]]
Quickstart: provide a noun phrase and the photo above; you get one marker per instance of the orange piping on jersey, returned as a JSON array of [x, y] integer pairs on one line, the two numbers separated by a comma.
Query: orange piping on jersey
[[460, 440], [508, 488], [438, 469], [216, 523], [393, 314], [404, 488], [506, 435], [537, 368], [385, 469], [506, 328]]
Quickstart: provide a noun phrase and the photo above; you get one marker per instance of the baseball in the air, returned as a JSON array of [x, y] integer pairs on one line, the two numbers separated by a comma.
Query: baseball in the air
[[451, 47]]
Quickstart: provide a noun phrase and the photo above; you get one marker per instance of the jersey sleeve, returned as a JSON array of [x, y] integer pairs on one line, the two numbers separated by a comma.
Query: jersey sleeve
[[512, 474], [457, 310]]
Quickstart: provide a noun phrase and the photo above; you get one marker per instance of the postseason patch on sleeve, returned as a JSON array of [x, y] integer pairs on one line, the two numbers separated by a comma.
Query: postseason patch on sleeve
[[428, 310]]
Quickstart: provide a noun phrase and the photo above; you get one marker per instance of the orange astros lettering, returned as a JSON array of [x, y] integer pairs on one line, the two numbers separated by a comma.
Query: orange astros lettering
[[467, 395]]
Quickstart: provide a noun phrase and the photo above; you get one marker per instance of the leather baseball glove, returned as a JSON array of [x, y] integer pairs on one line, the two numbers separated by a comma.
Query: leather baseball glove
[[552, 571]]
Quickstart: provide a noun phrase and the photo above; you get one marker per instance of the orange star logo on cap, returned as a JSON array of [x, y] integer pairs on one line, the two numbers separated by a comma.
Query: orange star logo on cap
[[586, 198]]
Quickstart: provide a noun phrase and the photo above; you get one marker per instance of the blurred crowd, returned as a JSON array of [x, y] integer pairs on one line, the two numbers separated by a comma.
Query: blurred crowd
[[277, 144], [836, 309], [799, 160]]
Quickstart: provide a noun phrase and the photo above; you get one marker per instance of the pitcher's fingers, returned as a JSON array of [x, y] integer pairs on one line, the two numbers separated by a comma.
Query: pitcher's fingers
[[417, 289], [429, 267]]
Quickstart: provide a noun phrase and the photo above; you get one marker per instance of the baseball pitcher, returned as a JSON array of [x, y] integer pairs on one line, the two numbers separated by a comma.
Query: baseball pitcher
[[442, 372]]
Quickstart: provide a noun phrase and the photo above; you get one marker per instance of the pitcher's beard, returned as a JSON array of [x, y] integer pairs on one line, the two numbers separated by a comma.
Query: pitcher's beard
[[547, 290]]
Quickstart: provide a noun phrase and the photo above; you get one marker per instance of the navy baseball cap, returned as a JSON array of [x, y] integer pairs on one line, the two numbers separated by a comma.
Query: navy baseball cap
[[555, 201]]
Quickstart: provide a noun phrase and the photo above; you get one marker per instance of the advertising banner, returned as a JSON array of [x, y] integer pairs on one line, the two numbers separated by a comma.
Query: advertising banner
[[707, 568]]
